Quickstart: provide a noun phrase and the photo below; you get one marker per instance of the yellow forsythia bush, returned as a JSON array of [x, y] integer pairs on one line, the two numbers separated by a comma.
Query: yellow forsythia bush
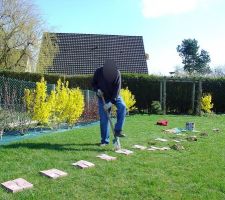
[[61, 100], [75, 106], [62, 105], [37, 102], [206, 103], [128, 98]]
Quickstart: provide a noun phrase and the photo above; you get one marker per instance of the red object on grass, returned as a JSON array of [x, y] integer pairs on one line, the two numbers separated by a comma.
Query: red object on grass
[[162, 123]]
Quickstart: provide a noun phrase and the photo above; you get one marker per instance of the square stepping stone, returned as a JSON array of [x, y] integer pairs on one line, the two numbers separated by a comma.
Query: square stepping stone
[[136, 146], [165, 148], [156, 148], [83, 164], [153, 148], [106, 157], [161, 139], [17, 185], [177, 141], [124, 151], [53, 173]]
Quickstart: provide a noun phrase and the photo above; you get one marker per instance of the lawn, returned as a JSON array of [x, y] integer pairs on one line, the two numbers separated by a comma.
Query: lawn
[[198, 172]]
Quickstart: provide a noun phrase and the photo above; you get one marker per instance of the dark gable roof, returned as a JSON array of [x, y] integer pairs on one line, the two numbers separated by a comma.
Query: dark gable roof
[[83, 53]]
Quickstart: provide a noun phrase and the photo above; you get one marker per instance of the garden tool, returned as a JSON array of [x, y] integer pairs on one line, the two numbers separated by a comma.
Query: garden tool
[[116, 141]]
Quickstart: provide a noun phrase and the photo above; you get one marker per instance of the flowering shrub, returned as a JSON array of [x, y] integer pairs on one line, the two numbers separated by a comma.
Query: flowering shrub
[[75, 106], [128, 98], [37, 103], [206, 104], [62, 105], [59, 100]]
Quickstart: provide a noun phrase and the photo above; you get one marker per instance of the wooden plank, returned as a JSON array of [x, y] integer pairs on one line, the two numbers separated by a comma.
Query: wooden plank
[[160, 94], [182, 81], [193, 98], [164, 96], [199, 97]]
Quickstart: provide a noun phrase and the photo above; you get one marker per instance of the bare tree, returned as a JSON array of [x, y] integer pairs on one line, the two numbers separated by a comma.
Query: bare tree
[[21, 29]]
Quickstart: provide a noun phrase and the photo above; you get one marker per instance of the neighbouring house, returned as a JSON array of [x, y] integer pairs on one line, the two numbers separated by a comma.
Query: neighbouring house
[[83, 53]]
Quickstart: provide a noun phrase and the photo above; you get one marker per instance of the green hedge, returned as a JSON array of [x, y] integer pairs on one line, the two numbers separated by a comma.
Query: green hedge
[[75, 81], [146, 89]]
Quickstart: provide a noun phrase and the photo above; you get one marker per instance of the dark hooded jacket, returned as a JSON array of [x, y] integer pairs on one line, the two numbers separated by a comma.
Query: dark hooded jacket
[[111, 90]]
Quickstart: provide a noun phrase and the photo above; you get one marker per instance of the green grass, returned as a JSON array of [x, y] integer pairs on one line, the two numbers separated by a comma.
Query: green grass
[[195, 173]]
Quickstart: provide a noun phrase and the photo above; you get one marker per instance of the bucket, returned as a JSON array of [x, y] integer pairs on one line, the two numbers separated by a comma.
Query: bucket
[[190, 126]]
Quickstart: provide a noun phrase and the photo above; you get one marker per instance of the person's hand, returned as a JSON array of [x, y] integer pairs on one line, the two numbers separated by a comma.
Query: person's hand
[[107, 106], [99, 93]]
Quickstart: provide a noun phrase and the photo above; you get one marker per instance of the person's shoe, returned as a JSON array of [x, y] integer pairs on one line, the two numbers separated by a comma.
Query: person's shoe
[[120, 134], [103, 144]]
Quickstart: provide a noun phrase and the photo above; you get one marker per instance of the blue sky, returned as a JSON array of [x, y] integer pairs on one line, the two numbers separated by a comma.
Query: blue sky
[[162, 23]]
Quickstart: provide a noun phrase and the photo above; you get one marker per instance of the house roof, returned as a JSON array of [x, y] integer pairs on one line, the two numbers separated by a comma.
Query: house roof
[[83, 53]]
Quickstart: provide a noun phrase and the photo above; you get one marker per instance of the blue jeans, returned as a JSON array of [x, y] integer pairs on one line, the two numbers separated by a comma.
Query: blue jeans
[[104, 121]]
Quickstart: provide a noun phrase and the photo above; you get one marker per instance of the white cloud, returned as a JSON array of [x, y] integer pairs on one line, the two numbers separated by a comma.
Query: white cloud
[[157, 8]]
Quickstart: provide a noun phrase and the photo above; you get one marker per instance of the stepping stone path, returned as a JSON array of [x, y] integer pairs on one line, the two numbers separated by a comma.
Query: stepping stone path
[[53, 173], [17, 185], [153, 148], [106, 157], [83, 164], [161, 139], [136, 146], [21, 184], [124, 151]]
